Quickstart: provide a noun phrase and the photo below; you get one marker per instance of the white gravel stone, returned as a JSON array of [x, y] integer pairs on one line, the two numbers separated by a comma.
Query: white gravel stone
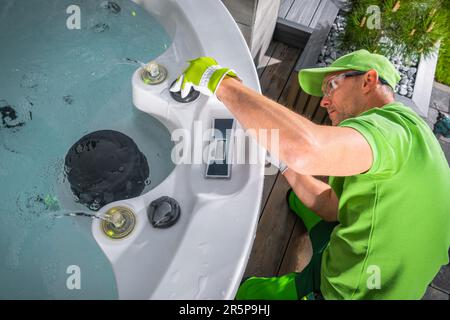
[[403, 91]]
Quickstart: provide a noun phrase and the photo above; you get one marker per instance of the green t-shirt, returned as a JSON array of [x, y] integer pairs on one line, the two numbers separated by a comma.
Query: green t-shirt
[[394, 220]]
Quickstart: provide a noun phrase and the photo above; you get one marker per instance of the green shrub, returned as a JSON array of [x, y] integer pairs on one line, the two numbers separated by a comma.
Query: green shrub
[[409, 28], [443, 66]]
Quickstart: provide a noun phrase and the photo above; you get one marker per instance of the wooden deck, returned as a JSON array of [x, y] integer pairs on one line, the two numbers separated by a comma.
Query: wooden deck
[[282, 244], [303, 12]]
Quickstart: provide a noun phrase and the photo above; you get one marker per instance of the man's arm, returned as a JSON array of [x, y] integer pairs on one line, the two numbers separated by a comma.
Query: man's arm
[[306, 147], [315, 194]]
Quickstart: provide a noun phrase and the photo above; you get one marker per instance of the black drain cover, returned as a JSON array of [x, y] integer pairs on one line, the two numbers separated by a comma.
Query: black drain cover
[[193, 95], [163, 212]]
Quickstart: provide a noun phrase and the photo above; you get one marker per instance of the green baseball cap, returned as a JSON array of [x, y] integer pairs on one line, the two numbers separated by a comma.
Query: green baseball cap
[[361, 60]]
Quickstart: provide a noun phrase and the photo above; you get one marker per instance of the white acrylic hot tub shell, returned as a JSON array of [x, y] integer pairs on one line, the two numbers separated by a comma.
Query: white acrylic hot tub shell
[[204, 255]]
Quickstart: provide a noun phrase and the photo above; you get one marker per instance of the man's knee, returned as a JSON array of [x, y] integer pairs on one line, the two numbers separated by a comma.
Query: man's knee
[[309, 218]]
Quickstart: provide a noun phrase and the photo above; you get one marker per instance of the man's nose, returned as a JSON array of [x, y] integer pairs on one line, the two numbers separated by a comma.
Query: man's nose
[[325, 102]]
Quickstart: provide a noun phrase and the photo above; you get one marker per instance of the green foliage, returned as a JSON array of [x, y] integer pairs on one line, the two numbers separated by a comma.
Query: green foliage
[[442, 69], [409, 28]]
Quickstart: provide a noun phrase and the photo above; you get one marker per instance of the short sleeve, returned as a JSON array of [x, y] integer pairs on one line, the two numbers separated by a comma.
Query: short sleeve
[[388, 137]]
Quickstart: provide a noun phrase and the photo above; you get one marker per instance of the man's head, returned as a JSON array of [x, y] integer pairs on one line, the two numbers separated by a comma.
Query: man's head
[[352, 84]]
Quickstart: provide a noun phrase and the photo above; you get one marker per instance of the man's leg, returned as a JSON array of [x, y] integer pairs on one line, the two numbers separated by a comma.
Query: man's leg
[[295, 285], [318, 229]]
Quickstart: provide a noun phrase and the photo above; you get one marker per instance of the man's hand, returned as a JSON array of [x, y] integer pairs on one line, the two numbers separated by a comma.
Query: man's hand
[[204, 74]]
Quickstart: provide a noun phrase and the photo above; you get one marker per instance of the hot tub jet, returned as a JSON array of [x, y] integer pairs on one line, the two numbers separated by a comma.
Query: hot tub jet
[[153, 73]]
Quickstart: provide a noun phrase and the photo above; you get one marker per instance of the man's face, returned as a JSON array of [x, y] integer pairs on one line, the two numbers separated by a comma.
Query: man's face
[[342, 100]]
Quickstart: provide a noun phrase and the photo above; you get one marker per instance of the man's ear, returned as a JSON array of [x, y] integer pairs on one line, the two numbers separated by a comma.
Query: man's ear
[[370, 81]]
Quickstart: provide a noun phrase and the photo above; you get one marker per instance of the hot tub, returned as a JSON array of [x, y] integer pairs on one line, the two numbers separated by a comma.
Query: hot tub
[[204, 255]]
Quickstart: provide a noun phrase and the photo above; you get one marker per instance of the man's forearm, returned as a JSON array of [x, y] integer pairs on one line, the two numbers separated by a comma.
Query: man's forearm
[[315, 194], [255, 111]]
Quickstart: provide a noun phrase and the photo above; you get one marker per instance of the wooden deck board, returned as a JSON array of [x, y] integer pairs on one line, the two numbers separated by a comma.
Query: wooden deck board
[[273, 233], [298, 252], [320, 115], [290, 92], [285, 6], [320, 8], [311, 107], [276, 73], [302, 102], [269, 182], [266, 59], [302, 11]]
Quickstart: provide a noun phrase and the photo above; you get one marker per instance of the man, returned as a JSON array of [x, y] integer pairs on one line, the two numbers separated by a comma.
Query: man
[[381, 228]]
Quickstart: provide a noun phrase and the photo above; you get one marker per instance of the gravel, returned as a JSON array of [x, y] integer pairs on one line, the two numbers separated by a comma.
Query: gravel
[[333, 50]]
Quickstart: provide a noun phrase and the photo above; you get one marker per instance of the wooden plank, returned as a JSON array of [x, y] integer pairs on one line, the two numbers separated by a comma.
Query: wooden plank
[[299, 251], [302, 11], [313, 104], [318, 14], [285, 5], [269, 182], [442, 279], [290, 92], [273, 233], [318, 37], [296, 100], [264, 62], [291, 33], [302, 101], [435, 294], [320, 114], [277, 72]]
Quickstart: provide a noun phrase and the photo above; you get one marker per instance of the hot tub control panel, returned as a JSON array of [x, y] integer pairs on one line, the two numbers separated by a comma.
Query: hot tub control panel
[[219, 156]]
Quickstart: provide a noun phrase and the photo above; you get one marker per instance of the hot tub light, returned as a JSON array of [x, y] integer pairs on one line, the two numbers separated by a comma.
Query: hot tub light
[[118, 222]]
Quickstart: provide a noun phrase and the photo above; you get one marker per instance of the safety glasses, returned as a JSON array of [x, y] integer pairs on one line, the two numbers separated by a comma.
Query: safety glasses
[[332, 83]]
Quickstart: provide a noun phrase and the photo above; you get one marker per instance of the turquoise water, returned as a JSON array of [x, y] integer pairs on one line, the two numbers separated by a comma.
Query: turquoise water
[[63, 84]]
